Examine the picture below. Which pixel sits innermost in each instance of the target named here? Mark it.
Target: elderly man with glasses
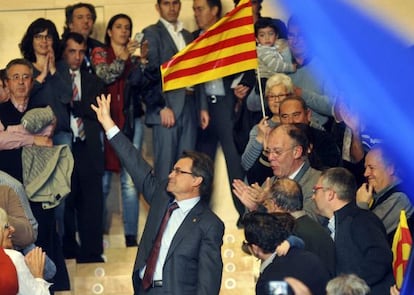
(287, 150)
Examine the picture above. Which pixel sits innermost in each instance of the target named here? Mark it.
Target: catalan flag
(228, 47)
(401, 247)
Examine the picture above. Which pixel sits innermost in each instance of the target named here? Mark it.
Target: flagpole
(260, 92)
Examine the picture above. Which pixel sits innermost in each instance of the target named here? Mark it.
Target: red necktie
(153, 257)
(76, 97)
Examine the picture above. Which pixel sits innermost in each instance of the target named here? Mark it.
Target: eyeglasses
(17, 77)
(278, 97)
(178, 171)
(277, 152)
(43, 37)
(316, 188)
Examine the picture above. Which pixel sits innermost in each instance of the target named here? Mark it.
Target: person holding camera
(263, 233)
(122, 73)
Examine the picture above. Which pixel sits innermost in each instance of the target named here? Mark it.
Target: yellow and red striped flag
(401, 247)
(226, 48)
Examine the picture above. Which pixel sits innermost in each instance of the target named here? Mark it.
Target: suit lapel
(164, 33)
(186, 228)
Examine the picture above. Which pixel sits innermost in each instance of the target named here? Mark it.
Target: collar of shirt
(22, 106)
(178, 27)
(188, 204)
(331, 226)
(266, 262)
(386, 189)
(293, 175)
(76, 72)
(175, 33)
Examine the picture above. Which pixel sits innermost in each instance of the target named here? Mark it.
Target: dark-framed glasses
(277, 97)
(43, 37)
(318, 187)
(178, 171)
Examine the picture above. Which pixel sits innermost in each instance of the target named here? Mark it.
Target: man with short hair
(221, 102)
(324, 151)
(13, 136)
(12, 140)
(382, 193)
(264, 232)
(188, 260)
(360, 239)
(85, 202)
(80, 18)
(171, 114)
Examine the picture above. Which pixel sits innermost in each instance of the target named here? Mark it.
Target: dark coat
(362, 247)
(298, 263)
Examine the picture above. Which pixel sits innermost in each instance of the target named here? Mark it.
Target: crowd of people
(317, 192)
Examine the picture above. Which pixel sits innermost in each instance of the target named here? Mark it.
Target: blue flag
(372, 67)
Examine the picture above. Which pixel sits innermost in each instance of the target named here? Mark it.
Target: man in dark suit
(171, 114)
(361, 245)
(85, 203)
(264, 232)
(221, 102)
(189, 261)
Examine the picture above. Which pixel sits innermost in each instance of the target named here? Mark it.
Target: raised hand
(102, 111)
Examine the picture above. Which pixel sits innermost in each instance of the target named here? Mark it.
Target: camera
(138, 37)
(278, 288)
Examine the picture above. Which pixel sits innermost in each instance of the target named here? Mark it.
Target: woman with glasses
(40, 45)
(122, 73)
(254, 160)
(29, 268)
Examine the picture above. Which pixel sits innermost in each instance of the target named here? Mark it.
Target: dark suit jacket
(56, 92)
(362, 248)
(300, 264)
(193, 264)
(91, 87)
(317, 240)
(161, 49)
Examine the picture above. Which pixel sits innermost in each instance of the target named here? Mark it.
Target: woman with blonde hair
(29, 268)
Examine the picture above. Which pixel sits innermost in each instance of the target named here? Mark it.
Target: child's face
(266, 36)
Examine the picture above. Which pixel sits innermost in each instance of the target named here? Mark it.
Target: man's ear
(391, 169)
(331, 194)
(308, 115)
(215, 11)
(197, 180)
(298, 152)
(255, 250)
